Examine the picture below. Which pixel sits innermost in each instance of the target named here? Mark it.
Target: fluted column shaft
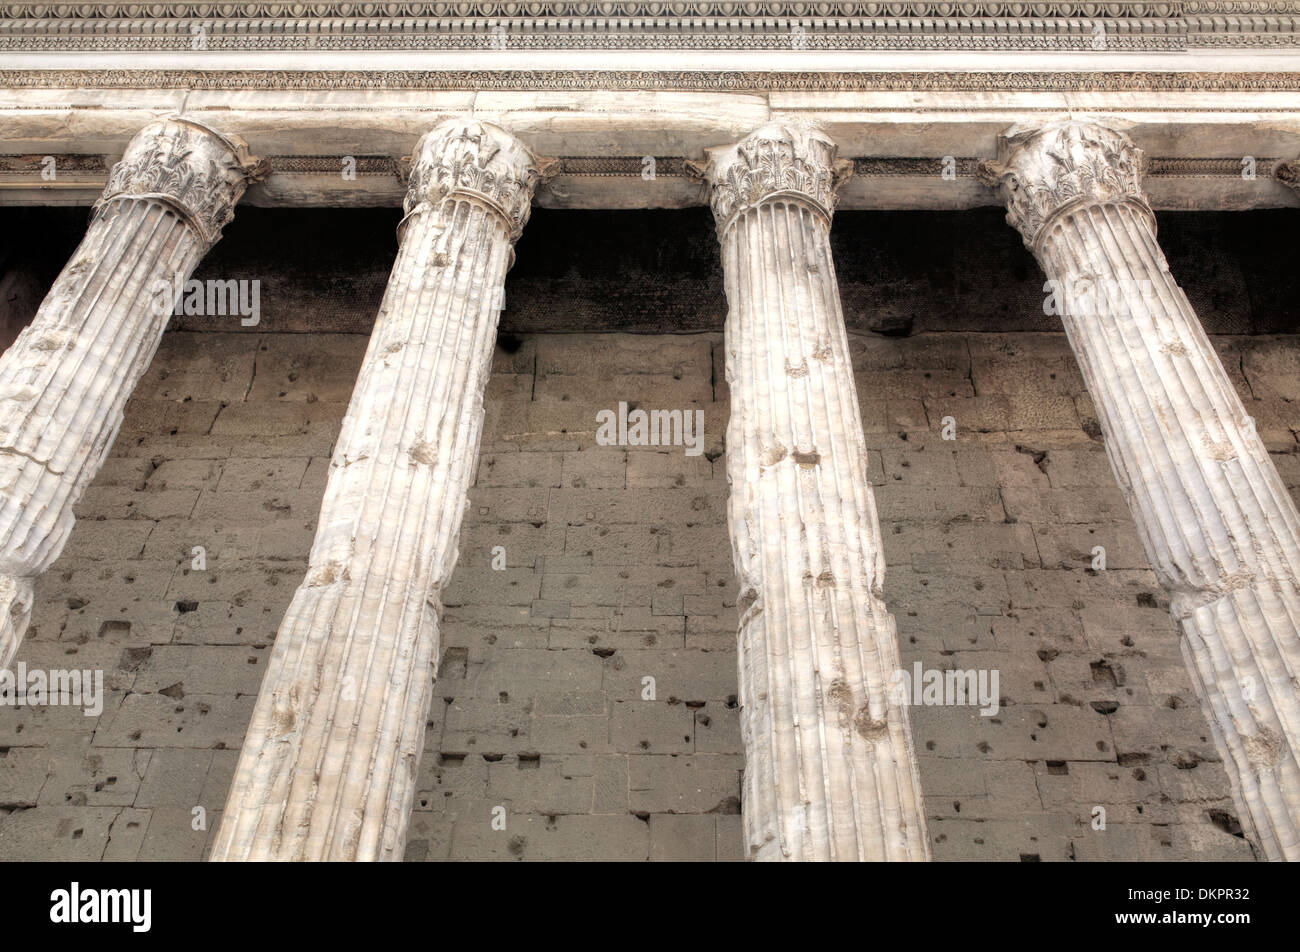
(1218, 525)
(328, 767)
(830, 771)
(66, 379)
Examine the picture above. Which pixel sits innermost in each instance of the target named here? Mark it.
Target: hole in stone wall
(455, 663)
(1227, 822)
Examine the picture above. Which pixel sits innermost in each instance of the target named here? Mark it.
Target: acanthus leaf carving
(478, 160)
(1045, 171)
(195, 169)
(789, 158)
(1288, 173)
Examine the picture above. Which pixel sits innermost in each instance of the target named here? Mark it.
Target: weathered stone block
(701, 783)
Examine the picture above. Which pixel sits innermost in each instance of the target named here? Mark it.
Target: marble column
(328, 766)
(1218, 526)
(66, 379)
(830, 769)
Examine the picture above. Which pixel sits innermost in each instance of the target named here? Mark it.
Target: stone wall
(618, 568)
(617, 563)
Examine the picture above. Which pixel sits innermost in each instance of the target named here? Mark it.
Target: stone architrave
(830, 769)
(66, 379)
(328, 766)
(1218, 525)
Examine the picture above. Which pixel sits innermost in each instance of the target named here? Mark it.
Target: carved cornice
(465, 158)
(992, 39)
(667, 10)
(264, 25)
(782, 160)
(694, 80)
(1048, 171)
(198, 171)
(882, 33)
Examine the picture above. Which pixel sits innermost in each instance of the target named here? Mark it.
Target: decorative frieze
(494, 36)
(731, 81)
(830, 770)
(363, 165)
(635, 166)
(495, 25)
(33, 164)
(670, 10)
(1217, 523)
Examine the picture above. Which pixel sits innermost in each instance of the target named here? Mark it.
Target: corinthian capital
(782, 159)
(195, 169)
(479, 161)
(1047, 171)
